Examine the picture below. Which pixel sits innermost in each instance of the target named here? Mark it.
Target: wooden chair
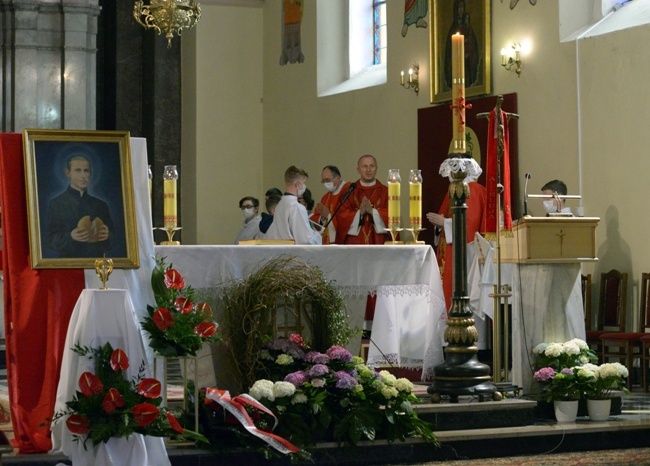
(627, 346)
(612, 307)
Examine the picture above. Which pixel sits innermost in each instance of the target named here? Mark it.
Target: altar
(405, 279)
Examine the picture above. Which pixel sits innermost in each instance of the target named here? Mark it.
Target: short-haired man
(363, 217)
(78, 224)
(553, 188)
(249, 230)
(336, 189)
(267, 218)
(290, 220)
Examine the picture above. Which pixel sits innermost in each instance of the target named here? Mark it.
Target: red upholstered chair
(627, 346)
(612, 307)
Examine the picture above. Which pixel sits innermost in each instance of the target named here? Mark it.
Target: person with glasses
(250, 229)
(326, 209)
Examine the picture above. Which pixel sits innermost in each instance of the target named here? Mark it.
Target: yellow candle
(393, 203)
(170, 206)
(458, 92)
(415, 204)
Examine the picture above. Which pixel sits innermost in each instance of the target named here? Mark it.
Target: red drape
(38, 306)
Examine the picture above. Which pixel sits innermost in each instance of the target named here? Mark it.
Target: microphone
(526, 194)
(341, 202)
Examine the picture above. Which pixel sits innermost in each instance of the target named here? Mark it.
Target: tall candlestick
(394, 184)
(170, 205)
(150, 177)
(415, 199)
(458, 92)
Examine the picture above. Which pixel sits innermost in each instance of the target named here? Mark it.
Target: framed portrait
(80, 198)
(471, 18)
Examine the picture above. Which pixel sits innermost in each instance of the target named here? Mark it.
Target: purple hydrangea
(314, 357)
(297, 378)
(286, 346)
(318, 370)
(544, 374)
(345, 380)
(339, 353)
(567, 371)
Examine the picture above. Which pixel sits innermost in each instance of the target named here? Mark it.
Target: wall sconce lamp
(510, 62)
(413, 81)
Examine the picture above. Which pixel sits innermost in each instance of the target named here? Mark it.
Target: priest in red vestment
(476, 209)
(326, 210)
(364, 216)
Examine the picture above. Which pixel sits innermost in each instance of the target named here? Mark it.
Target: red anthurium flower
(175, 424)
(174, 280)
(119, 360)
(90, 384)
(183, 305)
(78, 424)
(163, 318)
(112, 400)
(204, 310)
(144, 414)
(206, 329)
(149, 388)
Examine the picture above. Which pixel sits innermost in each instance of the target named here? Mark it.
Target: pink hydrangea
(544, 374)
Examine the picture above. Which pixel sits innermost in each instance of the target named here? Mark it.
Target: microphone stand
(338, 207)
(526, 194)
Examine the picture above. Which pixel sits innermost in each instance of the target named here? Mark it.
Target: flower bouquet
(108, 405)
(558, 356)
(178, 326)
(334, 396)
(605, 379)
(565, 385)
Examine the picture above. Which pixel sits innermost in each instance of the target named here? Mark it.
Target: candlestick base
(394, 230)
(415, 231)
(170, 234)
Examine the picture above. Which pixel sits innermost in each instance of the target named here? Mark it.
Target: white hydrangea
(583, 359)
(298, 399)
(554, 350)
(284, 360)
(571, 348)
(358, 388)
(539, 349)
(387, 377)
(282, 389)
(389, 392)
(404, 385)
(583, 371)
(613, 369)
(363, 370)
(318, 383)
(580, 344)
(592, 369)
(262, 389)
(265, 354)
(356, 360)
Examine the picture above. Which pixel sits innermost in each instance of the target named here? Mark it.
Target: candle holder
(415, 231)
(170, 230)
(394, 230)
(103, 268)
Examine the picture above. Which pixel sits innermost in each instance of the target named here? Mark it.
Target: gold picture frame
(475, 25)
(80, 198)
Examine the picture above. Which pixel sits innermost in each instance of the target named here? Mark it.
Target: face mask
(550, 206)
(302, 190)
(329, 186)
(248, 213)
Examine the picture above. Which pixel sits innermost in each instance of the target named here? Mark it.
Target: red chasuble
(331, 201)
(378, 196)
(475, 222)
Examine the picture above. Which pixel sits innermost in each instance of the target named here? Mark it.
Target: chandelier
(167, 16)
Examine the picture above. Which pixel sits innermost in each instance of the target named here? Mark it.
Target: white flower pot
(566, 411)
(599, 409)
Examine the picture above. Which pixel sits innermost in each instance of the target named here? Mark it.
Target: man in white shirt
(250, 229)
(553, 188)
(290, 220)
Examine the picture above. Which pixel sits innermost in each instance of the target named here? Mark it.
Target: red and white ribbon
(237, 407)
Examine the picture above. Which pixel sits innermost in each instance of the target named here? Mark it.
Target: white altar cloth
(100, 317)
(406, 279)
(546, 307)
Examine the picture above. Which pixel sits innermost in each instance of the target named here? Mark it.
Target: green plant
(568, 384)
(178, 326)
(572, 353)
(250, 304)
(604, 379)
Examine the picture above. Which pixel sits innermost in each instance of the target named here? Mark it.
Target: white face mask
(302, 190)
(248, 213)
(329, 186)
(550, 206)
